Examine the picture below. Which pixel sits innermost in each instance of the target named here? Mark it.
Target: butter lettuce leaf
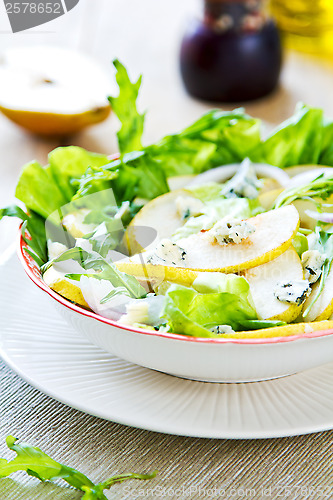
(297, 141)
(192, 313)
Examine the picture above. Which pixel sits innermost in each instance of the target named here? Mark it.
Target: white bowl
(210, 360)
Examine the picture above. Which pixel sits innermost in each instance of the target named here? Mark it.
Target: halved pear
(323, 308)
(52, 91)
(282, 331)
(274, 233)
(263, 280)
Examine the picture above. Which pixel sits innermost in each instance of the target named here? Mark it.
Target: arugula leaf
(321, 187)
(124, 106)
(37, 464)
(217, 138)
(104, 271)
(35, 225)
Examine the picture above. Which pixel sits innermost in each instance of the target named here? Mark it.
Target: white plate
(47, 353)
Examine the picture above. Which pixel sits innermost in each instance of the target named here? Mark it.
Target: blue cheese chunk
(313, 261)
(222, 329)
(187, 207)
(230, 231)
(168, 253)
(244, 184)
(293, 292)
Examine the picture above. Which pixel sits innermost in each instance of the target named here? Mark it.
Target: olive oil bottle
(307, 25)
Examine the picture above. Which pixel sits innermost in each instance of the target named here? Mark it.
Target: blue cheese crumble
(293, 292)
(312, 262)
(168, 253)
(230, 231)
(244, 184)
(187, 207)
(222, 329)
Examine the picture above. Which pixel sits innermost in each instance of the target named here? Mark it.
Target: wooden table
(145, 35)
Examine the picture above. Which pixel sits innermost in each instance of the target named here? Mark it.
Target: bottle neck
(236, 15)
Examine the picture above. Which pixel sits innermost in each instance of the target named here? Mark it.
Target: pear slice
(160, 214)
(282, 331)
(57, 281)
(263, 280)
(274, 233)
(52, 91)
(323, 308)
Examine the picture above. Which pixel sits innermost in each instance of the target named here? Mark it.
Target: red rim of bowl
(33, 272)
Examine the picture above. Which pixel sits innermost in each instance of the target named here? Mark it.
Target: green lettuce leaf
(69, 163)
(217, 138)
(104, 271)
(326, 154)
(37, 464)
(35, 225)
(192, 313)
(296, 141)
(124, 106)
(45, 189)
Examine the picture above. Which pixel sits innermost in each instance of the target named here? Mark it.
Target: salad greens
(321, 187)
(214, 299)
(297, 141)
(108, 192)
(124, 106)
(324, 244)
(37, 464)
(122, 282)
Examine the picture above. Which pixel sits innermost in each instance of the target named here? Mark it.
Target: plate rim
(133, 421)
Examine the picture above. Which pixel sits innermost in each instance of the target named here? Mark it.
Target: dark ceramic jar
(232, 54)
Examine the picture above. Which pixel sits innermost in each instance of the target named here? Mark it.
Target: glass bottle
(232, 54)
(307, 25)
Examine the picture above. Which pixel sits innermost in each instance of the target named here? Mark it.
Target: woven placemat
(299, 467)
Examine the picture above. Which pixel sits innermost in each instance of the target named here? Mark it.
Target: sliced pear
(52, 91)
(263, 280)
(323, 308)
(267, 198)
(282, 331)
(156, 274)
(74, 223)
(274, 233)
(160, 214)
(65, 287)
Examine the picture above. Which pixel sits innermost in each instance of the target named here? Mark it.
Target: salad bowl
(234, 256)
(203, 359)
